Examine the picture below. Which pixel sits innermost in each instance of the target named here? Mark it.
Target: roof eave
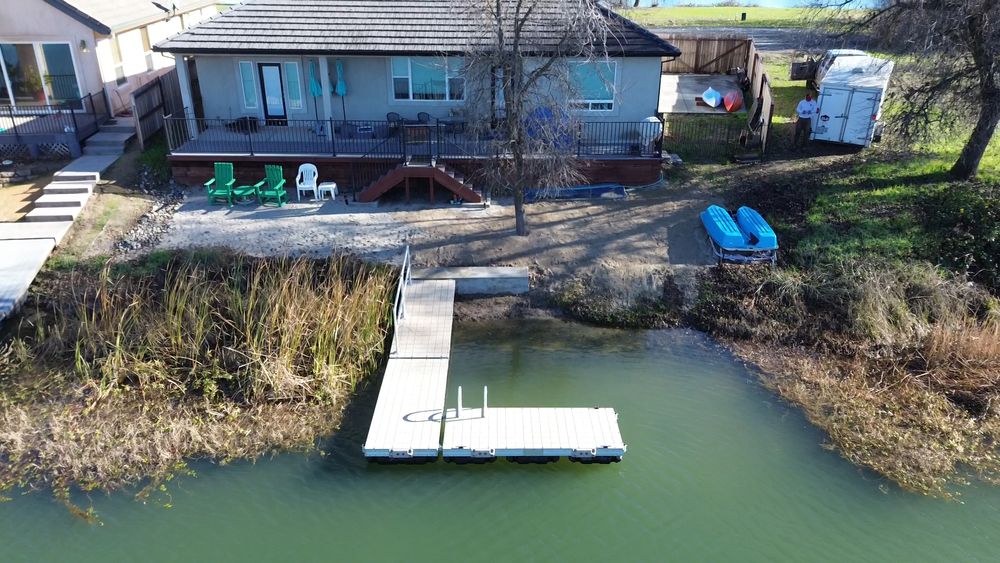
(668, 48)
(79, 16)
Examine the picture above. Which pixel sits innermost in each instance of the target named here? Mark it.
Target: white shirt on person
(806, 109)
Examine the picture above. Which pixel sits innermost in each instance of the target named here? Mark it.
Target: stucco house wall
(26, 21)
(369, 92)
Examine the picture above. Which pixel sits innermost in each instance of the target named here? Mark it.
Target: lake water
(717, 469)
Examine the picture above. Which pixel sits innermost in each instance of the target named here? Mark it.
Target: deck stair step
(441, 175)
(62, 200)
(47, 214)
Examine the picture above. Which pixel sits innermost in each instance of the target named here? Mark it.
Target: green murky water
(717, 470)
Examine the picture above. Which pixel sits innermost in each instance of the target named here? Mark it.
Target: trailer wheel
(877, 133)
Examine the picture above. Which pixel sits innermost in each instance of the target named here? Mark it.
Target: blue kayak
(759, 234)
(721, 227)
(747, 239)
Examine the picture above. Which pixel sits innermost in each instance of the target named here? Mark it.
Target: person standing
(803, 127)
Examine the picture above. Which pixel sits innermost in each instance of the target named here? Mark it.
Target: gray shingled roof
(412, 27)
(107, 16)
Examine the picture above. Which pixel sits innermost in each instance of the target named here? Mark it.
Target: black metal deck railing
(80, 117)
(385, 140)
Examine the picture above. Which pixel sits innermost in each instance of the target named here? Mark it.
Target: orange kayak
(733, 101)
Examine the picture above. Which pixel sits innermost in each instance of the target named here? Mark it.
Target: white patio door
(273, 92)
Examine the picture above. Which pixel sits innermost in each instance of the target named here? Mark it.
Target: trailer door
(861, 118)
(829, 124)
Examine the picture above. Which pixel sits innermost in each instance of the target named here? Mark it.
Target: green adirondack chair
(272, 187)
(220, 188)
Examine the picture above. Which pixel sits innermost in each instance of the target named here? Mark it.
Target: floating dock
(535, 434)
(406, 423)
(410, 410)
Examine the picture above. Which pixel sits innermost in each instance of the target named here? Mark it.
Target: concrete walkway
(25, 245)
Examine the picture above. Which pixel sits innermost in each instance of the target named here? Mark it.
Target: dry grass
(122, 373)
(899, 365)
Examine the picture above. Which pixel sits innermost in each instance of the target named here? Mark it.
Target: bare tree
(953, 51)
(517, 66)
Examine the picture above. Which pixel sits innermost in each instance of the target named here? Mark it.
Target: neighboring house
(261, 80)
(56, 52)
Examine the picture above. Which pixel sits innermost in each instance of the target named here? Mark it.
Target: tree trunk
(968, 162)
(520, 219)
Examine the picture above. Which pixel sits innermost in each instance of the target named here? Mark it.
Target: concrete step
(48, 214)
(75, 178)
(121, 121)
(117, 129)
(69, 188)
(91, 165)
(103, 150)
(105, 138)
(20, 230)
(62, 200)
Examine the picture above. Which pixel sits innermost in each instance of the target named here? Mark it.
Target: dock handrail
(399, 303)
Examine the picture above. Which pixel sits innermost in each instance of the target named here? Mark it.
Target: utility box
(851, 92)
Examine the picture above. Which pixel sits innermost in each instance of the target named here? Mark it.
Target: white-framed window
(248, 84)
(594, 84)
(293, 86)
(427, 78)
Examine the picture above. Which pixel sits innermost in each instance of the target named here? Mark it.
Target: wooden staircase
(439, 175)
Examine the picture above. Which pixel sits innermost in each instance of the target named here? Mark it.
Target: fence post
(250, 137)
(13, 122)
(333, 138)
(579, 138)
(76, 127)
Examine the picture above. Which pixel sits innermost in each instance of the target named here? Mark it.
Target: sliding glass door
(38, 73)
(21, 72)
(60, 76)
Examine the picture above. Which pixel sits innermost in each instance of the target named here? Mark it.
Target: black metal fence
(702, 137)
(80, 117)
(383, 140)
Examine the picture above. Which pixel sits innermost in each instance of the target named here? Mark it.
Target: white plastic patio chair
(306, 180)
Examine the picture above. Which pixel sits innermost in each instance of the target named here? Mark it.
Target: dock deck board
(533, 432)
(407, 418)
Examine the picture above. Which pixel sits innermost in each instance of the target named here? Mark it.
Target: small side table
(327, 187)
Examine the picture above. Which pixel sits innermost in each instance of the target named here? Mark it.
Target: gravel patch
(310, 228)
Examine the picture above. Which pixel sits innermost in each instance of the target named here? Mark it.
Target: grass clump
(620, 296)
(120, 372)
(899, 364)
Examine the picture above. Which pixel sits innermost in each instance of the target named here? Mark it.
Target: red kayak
(733, 101)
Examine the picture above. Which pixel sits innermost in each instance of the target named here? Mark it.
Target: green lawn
(717, 16)
(891, 207)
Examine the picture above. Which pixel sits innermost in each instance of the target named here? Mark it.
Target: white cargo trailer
(851, 92)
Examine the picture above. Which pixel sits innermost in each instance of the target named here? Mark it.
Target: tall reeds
(899, 363)
(252, 329)
(121, 374)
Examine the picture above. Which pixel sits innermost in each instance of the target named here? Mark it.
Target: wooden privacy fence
(707, 55)
(152, 101)
(712, 136)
